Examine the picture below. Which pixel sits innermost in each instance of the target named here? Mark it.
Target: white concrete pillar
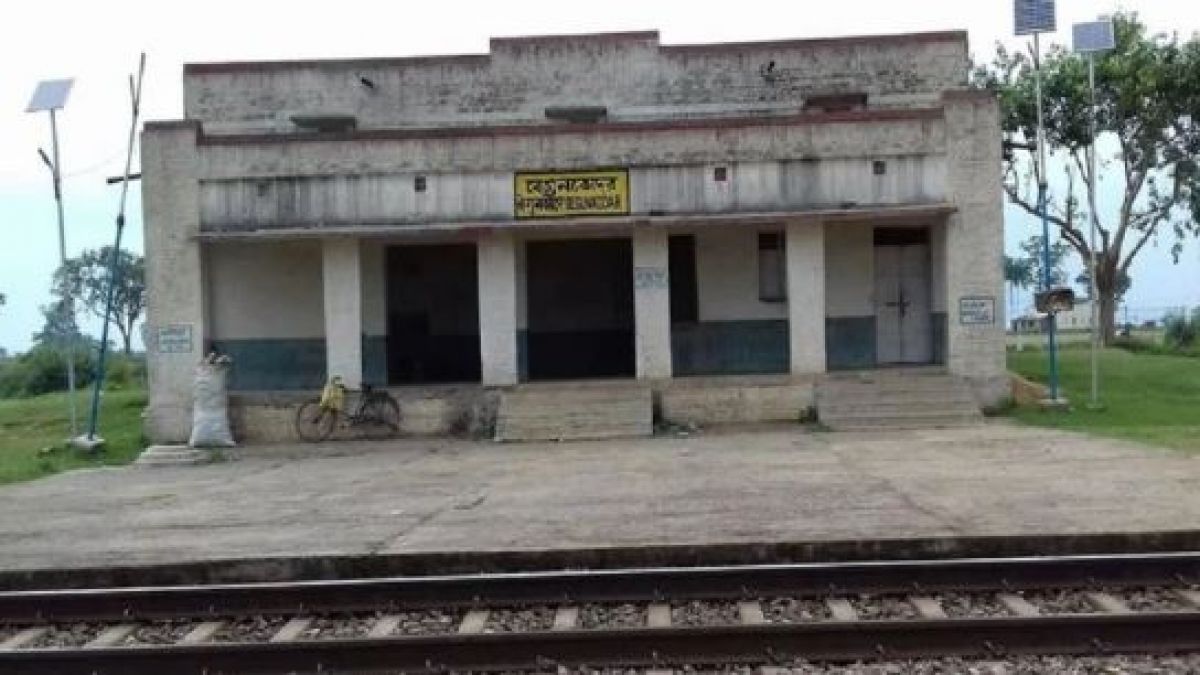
(651, 304)
(974, 245)
(805, 246)
(342, 274)
(176, 285)
(498, 308)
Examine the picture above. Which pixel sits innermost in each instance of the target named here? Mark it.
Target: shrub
(1181, 331)
(43, 369)
(125, 372)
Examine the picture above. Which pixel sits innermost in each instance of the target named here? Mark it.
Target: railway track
(653, 618)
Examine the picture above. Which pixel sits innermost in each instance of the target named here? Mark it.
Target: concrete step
(917, 386)
(559, 412)
(173, 455)
(925, 396)
(894, 424)
(895, 400)
(843, 408)
(899, 414)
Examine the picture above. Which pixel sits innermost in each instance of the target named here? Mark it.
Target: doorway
(580, 308)
(902, 296)
(432, 314)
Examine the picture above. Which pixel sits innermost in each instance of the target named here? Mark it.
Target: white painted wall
(269, 290)
(356, 198)
(849, 269)
(727, 276)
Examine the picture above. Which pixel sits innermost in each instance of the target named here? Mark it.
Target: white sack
(210, 409)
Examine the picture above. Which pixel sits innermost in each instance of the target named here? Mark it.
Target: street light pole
(1043, 187)
(51, 95)
(1095, 269)
(1090, 38)
(69, 298)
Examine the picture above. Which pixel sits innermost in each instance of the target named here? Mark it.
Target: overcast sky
(98, 42)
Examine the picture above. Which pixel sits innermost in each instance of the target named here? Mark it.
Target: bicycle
(377, 412)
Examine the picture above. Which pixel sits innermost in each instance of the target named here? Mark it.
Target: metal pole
(1095, 402)
(68, 300)
(135, 92)
(1042, 209)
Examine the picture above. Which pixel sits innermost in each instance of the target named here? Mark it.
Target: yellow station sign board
(562, 194)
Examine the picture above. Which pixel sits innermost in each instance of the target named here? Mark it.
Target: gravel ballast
(69, 635)
(250, 629)
(971, 605)
(612, 616)
(1030, 665)
(160, 632)
(873, 607)
(704, 613)
(520, 619)
(1060, 602)
(339, 627)
(794, 610)
(1155, 599)
(428, 622)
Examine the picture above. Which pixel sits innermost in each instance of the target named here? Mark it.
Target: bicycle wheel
(380, 417)
(313, 422)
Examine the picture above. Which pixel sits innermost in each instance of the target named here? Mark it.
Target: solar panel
(50, 95)
(1093, 36)
(1034, 16)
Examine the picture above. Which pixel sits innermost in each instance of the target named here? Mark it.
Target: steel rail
(758, 645)
(598, 586)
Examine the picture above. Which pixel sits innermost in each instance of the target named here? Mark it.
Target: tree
(1147, 92)
(59, 328)
(1034, 257)
(86, 277)
(1124, 283)
(1018, 274)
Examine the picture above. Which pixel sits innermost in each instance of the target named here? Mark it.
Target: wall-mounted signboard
(563, 194)
(977, 310)
(174, 338)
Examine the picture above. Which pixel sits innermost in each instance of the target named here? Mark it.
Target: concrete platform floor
(781, 484)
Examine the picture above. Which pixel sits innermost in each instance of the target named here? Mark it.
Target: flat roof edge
(493, 131)
(881, 212)
(203, 68)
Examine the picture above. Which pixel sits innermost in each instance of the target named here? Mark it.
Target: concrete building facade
(574, 207)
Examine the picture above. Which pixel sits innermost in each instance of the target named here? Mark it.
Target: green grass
(33, 432)
(1152, 398)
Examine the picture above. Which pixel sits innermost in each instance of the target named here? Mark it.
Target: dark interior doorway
(432, 314)
(580, 308)
(685, 296)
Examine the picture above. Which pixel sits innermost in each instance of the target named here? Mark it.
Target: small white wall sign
(977, 310)
(649, 277)
(175, 338)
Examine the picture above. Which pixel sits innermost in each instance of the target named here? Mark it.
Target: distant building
(1077, 318)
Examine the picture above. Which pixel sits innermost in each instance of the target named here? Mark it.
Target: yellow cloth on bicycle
(333, 396)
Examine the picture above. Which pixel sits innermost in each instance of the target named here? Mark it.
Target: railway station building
(574, 209)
